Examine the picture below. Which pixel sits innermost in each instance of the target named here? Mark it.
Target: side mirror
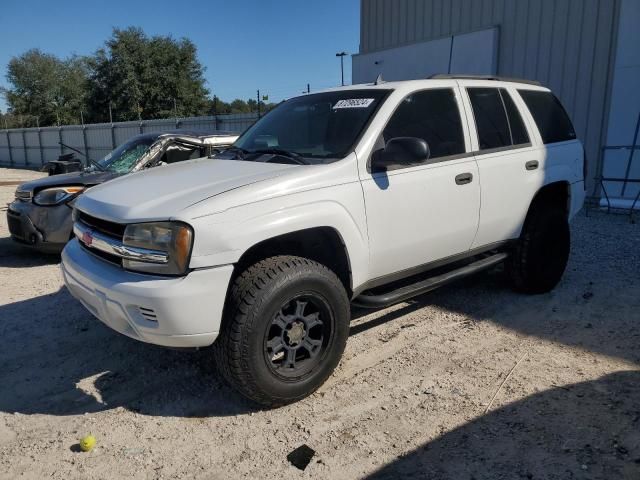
(400, 151)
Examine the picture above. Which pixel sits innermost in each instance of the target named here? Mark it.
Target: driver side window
(179, 152)
(433, 116)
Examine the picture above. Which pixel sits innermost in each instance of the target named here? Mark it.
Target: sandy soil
(427, 389)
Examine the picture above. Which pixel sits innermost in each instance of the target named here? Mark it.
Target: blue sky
(277, 46)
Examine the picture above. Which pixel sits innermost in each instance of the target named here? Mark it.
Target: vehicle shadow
(15, 255)
(56, 359)
(584, 430)
(594, 307)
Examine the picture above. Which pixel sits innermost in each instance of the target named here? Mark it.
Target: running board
(424, 286)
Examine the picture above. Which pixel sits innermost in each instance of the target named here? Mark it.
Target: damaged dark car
(40, 215)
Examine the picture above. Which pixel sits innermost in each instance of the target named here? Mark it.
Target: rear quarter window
(550, 116)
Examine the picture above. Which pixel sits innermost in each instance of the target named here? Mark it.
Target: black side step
(423, 286)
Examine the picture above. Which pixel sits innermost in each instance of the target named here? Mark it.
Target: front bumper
(173, 312)
(44, 228)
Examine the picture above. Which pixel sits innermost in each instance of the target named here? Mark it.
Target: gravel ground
(470, 381)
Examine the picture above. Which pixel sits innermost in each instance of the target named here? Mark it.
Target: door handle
(531, 165)
(464, 178)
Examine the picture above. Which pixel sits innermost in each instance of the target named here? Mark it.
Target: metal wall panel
(17, 148)
(567, 45)
(32, 147)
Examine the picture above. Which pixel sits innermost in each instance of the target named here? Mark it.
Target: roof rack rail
(443, 76)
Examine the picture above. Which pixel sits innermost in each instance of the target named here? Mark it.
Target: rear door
(420, 213)
(510, 162)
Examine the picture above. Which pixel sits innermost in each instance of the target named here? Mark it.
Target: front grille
(112, 229)
(105, 227)
(107, 257)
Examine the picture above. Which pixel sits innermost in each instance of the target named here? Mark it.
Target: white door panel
(418, 215)
(507, 190)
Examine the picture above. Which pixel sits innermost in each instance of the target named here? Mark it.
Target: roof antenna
(379, 80)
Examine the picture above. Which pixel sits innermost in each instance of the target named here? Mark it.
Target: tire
(277, 306)
(541, 254)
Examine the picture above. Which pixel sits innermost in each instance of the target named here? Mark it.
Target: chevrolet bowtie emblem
(87, 238)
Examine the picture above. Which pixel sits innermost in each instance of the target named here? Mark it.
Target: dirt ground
(472, 381)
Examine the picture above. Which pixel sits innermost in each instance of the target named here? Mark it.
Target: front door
(428, 211)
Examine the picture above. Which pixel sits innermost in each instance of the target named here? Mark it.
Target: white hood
(160, 193)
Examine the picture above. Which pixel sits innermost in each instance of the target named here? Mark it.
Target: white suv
(368, 194)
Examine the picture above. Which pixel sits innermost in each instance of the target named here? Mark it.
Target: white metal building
(586, 51)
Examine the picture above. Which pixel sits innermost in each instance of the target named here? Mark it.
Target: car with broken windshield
(40, 215)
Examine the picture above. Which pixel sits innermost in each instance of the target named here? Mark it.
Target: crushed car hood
(161, 193)
(66, 179)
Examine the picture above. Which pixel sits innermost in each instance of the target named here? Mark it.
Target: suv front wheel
(285, 327)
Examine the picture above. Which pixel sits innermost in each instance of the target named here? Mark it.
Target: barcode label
(353, 103)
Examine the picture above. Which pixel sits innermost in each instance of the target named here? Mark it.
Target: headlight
(57, 195)
(172, 238)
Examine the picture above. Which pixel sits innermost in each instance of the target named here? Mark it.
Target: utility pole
(308, 88)
(215, 112)
(110, 115)
(175, 108)
(341, 55)
(258, 103)
(81, 118)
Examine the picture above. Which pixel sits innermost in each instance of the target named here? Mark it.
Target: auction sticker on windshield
(353, 103)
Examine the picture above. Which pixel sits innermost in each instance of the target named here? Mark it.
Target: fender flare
(222, 239)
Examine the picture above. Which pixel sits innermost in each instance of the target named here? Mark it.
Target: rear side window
(497, 118)
(519, 133)
(550, 116)
(491, 119)
(432, 115)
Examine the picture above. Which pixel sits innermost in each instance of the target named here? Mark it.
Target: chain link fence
(34, 147)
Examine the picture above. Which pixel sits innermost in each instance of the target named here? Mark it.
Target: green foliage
(144, 77)
(218, 107)
(46, 89)
(136, 75)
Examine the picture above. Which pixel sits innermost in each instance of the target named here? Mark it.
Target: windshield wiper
(296, 157)
(240, 152)
(93, 162)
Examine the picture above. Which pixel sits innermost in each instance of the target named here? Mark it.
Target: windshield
(126, 156)
(317, 126)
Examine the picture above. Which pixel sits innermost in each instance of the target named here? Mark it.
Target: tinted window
(316, 126)
(491, 118)
(519, 133)
(178, 152)
(552, 119)
(432, 115)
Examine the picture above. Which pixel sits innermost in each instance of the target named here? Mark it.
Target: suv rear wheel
(540, 257)
(285, 327)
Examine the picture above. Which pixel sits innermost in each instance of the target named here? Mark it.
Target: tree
(146, 77)
(45, 89)
(237, 106)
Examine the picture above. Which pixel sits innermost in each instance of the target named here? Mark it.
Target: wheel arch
(323, 244)
(556, 193)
